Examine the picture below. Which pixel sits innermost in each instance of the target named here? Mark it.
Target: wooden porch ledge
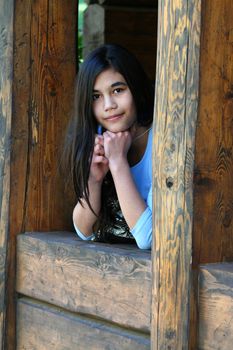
(216, 306)
(111, 282)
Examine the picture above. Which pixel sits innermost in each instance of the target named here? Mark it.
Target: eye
(118, 90)
(95, 97)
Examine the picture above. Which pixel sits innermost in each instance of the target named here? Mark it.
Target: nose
(109, 103)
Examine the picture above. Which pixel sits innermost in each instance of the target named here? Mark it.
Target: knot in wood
(169, 182)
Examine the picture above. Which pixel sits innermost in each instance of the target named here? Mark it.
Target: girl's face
(113, 104)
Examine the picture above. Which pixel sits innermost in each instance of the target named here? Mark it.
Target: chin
(117, 129)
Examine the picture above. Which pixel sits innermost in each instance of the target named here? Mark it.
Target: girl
(111, 148)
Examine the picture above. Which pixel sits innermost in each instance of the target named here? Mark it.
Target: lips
(114, 117)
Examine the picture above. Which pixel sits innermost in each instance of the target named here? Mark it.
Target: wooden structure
(69, 294)
(98, 287)
(216, 301)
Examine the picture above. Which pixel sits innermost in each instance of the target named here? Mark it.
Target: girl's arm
(83, 218)
(142, 231)
(137, 212)
(131, 202)
(116, 147)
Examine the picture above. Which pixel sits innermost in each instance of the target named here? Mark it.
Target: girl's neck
(140, 133)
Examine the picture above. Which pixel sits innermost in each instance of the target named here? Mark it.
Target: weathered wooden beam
(44, 74)
(109, 281)
(42, 326)
(216, 307)
(6, 59)
(176, 101)
(213, 190)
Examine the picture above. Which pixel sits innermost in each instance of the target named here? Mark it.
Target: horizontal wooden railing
(99, 296)
(216, 306)
(103, 290)
(45, 327)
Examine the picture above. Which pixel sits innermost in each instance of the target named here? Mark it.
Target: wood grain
(176, 100)
(44, 327)
(52, 74)
(107, 281)
(6, 59)
(44, 72)
(213, 183)
(216, 307)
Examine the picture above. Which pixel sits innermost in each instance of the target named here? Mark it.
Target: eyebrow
(117, 83)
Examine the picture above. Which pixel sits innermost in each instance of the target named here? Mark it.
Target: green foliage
(81, 8)
(80, 47)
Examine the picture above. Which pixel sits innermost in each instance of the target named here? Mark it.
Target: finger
(99, 149)
(108, 135)
(99, 139)
(100, 159)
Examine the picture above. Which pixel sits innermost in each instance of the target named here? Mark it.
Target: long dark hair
(83, 125)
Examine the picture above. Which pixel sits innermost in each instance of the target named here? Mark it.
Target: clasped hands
(110, 152)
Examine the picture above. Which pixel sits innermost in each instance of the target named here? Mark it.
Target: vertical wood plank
(176, 101)
(213, 184)
(52, 73)
(44, 73)
(213, 190)
(6, 59)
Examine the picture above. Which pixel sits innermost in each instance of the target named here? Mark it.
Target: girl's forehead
(107, 78)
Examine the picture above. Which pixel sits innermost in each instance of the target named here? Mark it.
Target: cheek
(95, 110)
(131, 105)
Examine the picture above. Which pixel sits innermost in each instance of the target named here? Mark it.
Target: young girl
(111, 149)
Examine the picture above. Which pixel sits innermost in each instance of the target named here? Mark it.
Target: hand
(99, 163)
(116, 146)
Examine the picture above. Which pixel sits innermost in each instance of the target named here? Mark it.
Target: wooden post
(44, 69)
(213, 190)
(176, 101)
(6, 55)
(213, 231)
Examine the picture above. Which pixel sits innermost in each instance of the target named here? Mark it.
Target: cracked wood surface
(6, 59)
(112, 282)
(176, 103)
